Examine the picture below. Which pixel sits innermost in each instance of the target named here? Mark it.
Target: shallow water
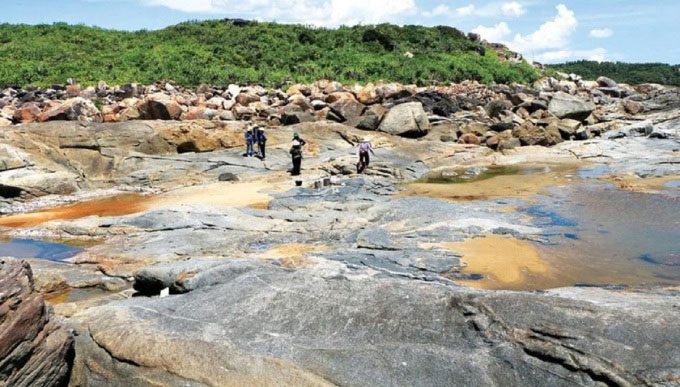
(595, 233)
(475, 183)
(603, 235)
(76, 295)
(30, 248)
(673, 184)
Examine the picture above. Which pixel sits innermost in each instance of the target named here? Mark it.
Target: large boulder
(568, 127)
(347, 109)
(161, 107)
(34, 349)
(495, 108)
(438, 103)
(607, 82)
(74, 109)
(246, 99)
(530, 134)
(27, 113)
(407, 120)
(371, 118)
(294, 114)
(564, 105)
(325, 325)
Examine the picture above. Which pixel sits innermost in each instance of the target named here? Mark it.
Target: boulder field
(347, 280)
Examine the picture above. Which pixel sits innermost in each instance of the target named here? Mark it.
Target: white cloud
(326, 13)
(601, 33)
(553, 34)
(549, 43)
(598, 55)
(466, 11)
(445, 10)
(493, 34)
(513, 9)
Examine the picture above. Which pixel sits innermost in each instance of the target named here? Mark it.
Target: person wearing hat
(299, 139)
(362, 152)
(250, 141)
(296, 154)
(261, 140)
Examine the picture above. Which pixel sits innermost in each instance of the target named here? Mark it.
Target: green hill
(236, 51)
(632, 73)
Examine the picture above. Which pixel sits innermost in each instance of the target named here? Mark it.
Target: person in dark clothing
(299, 139)
(296, 154)
(250, 141)
(364, 158)
(261, 139)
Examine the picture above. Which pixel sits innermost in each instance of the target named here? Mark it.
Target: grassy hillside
(632, 73)
(220, 52)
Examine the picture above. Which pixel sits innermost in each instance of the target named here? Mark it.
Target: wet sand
(645, 185)
(505, 263)
(293, 255)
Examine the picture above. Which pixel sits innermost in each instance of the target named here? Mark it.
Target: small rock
(469, 139)
(658, 135)
(632, 107)
(228, 176)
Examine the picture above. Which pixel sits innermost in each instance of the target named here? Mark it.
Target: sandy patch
(504, 262)
(293, 255)
(244, 194)
(645, 185)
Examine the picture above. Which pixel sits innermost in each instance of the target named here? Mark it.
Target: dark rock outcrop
(34, 349)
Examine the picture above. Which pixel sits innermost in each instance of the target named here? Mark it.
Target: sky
(547, 31)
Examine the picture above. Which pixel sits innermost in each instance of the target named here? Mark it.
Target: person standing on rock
(296, 154)
(250, 141)
(362, 152)
(261, 139)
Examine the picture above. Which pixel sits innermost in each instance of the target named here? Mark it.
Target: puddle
(75, 295)
(673, 184)
(622, 237)
(30, 248)
(519, 181)
(595, 233)
(593, 172)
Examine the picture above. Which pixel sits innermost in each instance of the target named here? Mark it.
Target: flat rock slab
(327, 325)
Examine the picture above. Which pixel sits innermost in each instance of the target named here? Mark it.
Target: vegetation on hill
(235, 51)
(632, 73)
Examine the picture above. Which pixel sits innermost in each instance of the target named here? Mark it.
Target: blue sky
(547, 31)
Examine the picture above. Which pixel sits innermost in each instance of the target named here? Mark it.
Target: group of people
(256, 136)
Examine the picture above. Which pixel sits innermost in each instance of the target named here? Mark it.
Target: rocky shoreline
(351, 283)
